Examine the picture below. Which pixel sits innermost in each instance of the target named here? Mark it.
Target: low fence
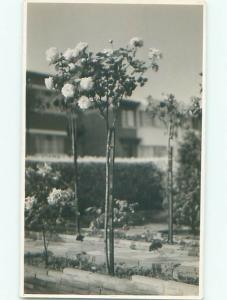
(74, 281)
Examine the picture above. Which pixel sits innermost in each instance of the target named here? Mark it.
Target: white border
(202, 207)
(158, 2)
(24, 64)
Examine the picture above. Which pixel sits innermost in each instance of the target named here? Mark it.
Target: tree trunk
(74, 152)
(45, 247)
(109, 199)
(111, 203)
(170, 187)
(106, 221)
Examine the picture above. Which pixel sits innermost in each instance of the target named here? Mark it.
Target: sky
(177, 30)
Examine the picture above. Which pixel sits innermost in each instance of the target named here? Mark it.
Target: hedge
(135, 181)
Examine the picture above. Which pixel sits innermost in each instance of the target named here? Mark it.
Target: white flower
(29, 201)
(44, 169)
(84, 102)
(52, 54)
(86, 83)
(68, 90)
(81, 46)
(72, 66)
(154, 54)
(136, 42)
(108, 51)
(68, 54)
(54, 196)
(49, 83)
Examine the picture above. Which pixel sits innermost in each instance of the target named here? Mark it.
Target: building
(47, 130)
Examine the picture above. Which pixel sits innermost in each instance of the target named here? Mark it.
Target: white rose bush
(100, 81)
(48, 203)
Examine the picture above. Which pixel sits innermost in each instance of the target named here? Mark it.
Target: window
(48, 141)
(128, 118)
(47, 144)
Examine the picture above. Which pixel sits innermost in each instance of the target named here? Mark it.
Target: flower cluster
(87, 80)
(44, 169)
(52, 55)
(59, 196)
(54, 196)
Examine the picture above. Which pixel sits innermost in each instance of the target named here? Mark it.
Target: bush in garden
(45, 205)
(122, 211)
(187, 182)
(140, 182)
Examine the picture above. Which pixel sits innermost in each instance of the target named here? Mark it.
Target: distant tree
(173, 116)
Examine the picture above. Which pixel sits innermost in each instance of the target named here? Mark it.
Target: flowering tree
(46, 207)
(101, 81)
(172, 115)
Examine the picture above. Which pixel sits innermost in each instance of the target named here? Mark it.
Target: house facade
(47, 130)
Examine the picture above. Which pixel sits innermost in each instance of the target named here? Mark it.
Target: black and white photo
(114, 129)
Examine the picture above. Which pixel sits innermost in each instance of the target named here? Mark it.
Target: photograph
(113, 178)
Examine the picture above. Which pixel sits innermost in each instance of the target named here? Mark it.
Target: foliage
(169, 111)
(140, 182)
(187, 181)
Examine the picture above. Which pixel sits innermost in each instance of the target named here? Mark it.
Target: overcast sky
(176, 30)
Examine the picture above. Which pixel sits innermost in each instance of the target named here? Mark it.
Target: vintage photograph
(114, 100)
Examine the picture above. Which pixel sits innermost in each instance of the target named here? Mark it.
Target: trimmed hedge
(140, 182)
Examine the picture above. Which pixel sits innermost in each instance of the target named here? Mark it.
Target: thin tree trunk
(111, 202)
(106, 221)
(170, 187)
(74, 152)
(45, 247)
(109, 199)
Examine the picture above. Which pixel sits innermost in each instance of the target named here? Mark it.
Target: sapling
(170, 112)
